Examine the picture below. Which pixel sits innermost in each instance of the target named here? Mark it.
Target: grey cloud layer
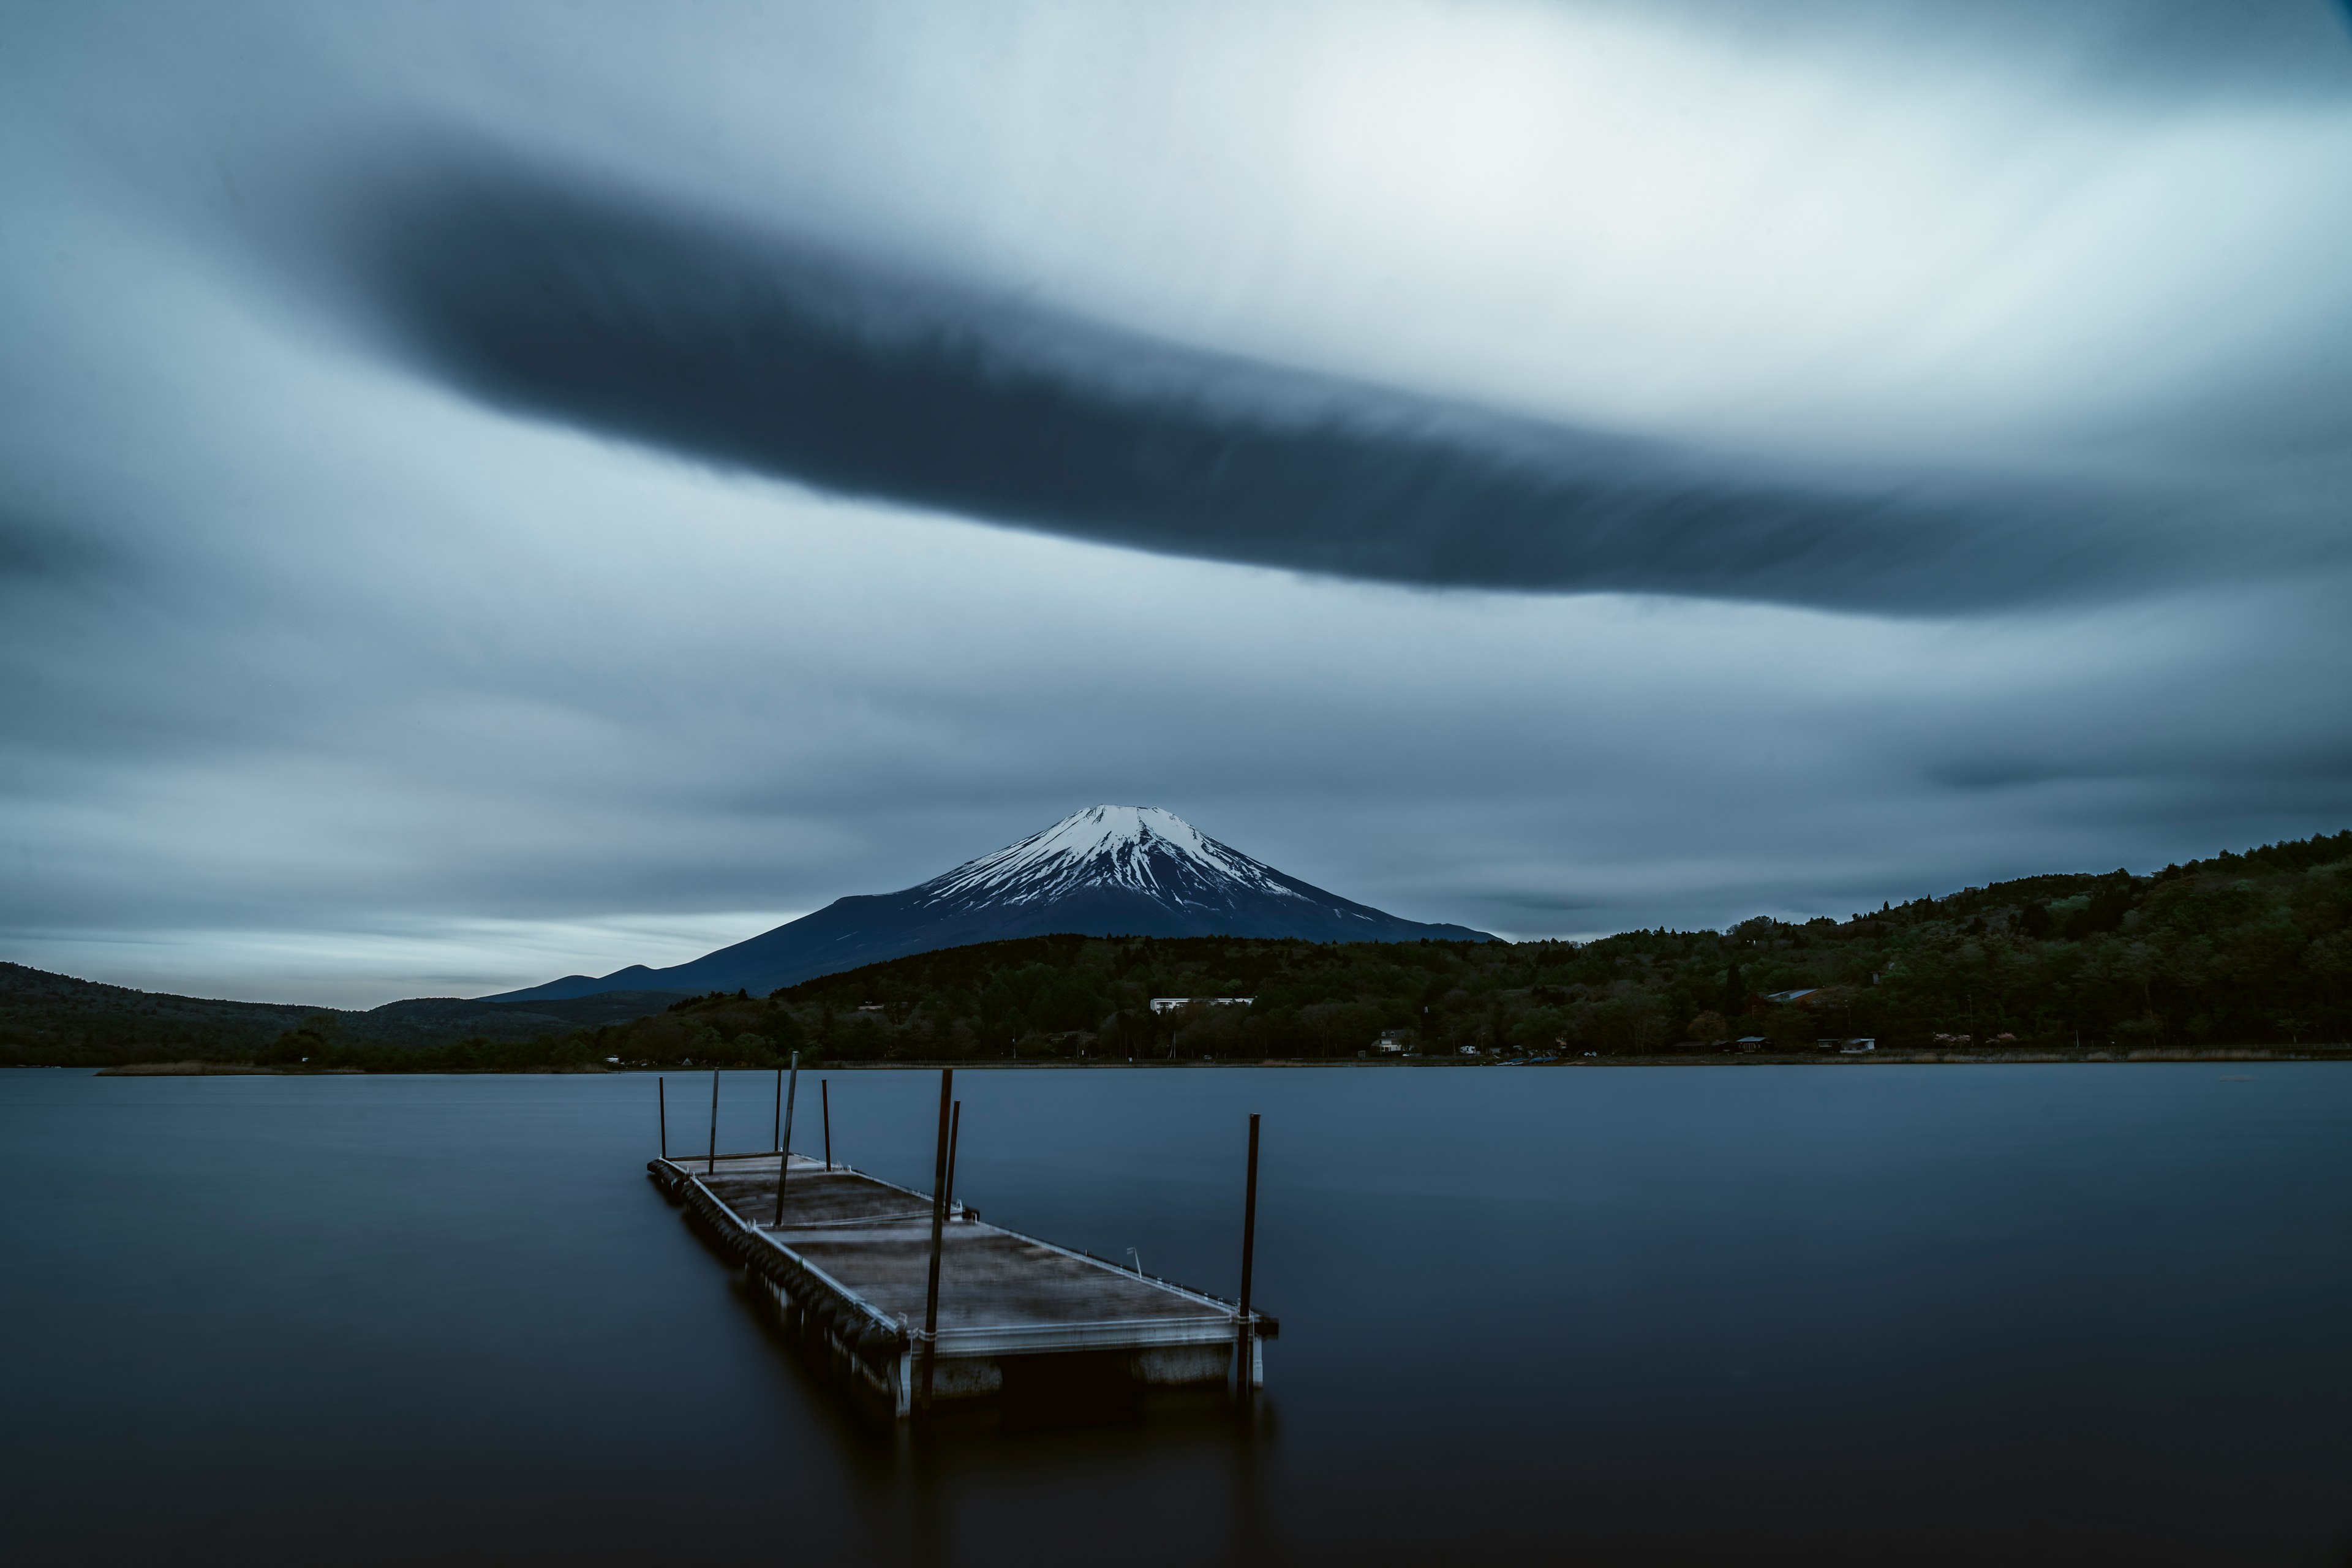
(309, 647)
(2270, 51)
(585, 303)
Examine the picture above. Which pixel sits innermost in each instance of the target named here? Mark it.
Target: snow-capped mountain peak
(1109, 870)
(1138, 848)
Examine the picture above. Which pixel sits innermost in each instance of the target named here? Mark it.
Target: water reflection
(1838, 1314)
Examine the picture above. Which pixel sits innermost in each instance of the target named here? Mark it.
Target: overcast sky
(491, 492)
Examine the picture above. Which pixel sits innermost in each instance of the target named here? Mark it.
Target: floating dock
(850, 1264)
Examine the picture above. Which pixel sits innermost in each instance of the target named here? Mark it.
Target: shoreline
(2220, 1054)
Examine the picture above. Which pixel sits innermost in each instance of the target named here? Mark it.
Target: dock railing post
(785, 1143)
(825, 1104)
(710, 1166)
(1245, 1347)
(661, 1105)
(939, 1219)
(955, 1132)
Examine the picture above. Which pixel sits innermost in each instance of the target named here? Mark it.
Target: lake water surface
(1870, 1314)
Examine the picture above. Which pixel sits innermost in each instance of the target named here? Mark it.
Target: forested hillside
(2242, 949)
(54, 1020)
(2252, 949)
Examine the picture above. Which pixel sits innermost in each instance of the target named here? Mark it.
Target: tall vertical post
(661, 1104)
(710, 1167)
(825, 1104)
(1247, 1346)
(784, 1141)
(780, 1109)
(955, 1132)
(938, 1220)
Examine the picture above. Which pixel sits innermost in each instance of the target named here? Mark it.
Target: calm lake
(1868, 1315)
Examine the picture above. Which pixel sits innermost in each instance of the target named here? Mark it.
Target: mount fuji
(1109, 870)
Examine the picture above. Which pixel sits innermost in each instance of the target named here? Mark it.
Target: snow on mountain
(1139, 847)
(1108, 870)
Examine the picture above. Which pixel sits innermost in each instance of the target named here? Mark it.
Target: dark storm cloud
(575, 300)
(2270, 51)
(2320, 765)
(37, 555)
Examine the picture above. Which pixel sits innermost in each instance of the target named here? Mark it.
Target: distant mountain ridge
(57, 1018)
(1108, 870)
(2235, 950)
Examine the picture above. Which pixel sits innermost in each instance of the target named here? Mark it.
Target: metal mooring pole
(825, 1104)
(711, 1166)
(784, 1144)
(1249, 1259)
(939, 1219)
(661, 1104)
(955, 1131)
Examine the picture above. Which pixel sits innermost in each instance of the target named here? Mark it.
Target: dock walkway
(848, 1267)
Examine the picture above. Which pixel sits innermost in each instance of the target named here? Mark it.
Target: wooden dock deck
(849, 1269)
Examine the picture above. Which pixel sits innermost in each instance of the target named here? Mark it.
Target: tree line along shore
(2238, 953)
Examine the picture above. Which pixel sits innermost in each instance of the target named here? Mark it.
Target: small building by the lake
(1170, 1004)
